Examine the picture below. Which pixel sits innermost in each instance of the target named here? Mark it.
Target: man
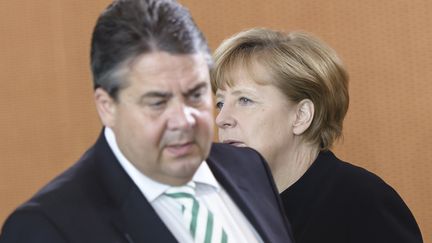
(153, 175)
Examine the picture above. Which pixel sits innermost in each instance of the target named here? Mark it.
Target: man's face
(163, 119)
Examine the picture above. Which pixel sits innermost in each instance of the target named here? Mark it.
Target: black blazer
(338, 202)
(96, 201)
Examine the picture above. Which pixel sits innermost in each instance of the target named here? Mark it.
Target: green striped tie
(199, 220)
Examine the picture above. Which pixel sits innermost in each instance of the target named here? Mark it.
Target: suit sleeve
(30, 226)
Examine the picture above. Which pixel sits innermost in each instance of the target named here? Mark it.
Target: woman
(286, 96)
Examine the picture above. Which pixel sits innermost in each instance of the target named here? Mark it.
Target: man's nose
(181, 116)
(225, 118)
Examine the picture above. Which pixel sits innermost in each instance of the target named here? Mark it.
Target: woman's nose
(225, 118)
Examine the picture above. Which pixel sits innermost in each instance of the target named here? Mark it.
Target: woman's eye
(219, 105)
(245, 101)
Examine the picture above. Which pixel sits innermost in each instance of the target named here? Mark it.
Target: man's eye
(157, 104)
(245, 101)
(196, 96)
(219, 105)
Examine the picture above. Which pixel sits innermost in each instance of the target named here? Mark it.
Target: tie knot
(185, 191)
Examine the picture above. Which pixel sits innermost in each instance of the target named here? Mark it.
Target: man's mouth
(179, 149)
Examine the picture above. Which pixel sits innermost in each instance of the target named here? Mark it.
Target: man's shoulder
(72, 200)
(243, 160)
(224, 152)
(65, 190)
(246, 176)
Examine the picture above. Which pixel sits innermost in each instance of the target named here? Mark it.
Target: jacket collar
(239, 188)
(130, 211)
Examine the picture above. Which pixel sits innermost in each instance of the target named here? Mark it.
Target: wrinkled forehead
(240, 69)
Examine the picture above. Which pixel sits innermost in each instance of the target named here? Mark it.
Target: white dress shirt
(208, 191)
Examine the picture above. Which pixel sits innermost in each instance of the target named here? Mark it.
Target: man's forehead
(162, 64)
(160, 58)
(168, 91)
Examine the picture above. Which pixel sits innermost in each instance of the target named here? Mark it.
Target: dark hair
(129, 28)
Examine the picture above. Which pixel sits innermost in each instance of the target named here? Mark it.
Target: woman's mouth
(233, 142)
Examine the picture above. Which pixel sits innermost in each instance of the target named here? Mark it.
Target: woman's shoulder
(359, 177)
(364, 188)
(374, 204)
(341, 179)
(360, 181)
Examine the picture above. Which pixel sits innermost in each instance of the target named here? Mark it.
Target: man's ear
(106, 107)
(304, 116)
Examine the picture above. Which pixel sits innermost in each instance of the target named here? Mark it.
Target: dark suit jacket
(96, 201)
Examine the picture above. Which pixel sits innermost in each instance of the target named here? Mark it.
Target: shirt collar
(149, 187)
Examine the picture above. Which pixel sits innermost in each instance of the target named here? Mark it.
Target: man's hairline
(122, 70)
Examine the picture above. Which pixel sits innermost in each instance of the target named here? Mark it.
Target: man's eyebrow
(197, 87)
(155, 94)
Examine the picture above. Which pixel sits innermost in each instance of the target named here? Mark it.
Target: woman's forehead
(253, 72)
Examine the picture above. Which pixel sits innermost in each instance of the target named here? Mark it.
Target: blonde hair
(300, 66)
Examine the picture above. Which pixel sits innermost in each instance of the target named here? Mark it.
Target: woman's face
(255, 115)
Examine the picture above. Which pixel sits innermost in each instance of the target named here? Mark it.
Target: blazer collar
(130, 211)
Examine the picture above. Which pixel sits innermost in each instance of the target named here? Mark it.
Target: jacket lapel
(239, 192)
(129, 210)
(247, 179)
(138, 221)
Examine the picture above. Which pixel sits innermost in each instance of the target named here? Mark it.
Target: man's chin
(184, 169)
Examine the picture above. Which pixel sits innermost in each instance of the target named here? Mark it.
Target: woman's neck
(292, 163)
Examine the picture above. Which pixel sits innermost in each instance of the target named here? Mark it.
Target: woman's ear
(105, 106)
(304, 116)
